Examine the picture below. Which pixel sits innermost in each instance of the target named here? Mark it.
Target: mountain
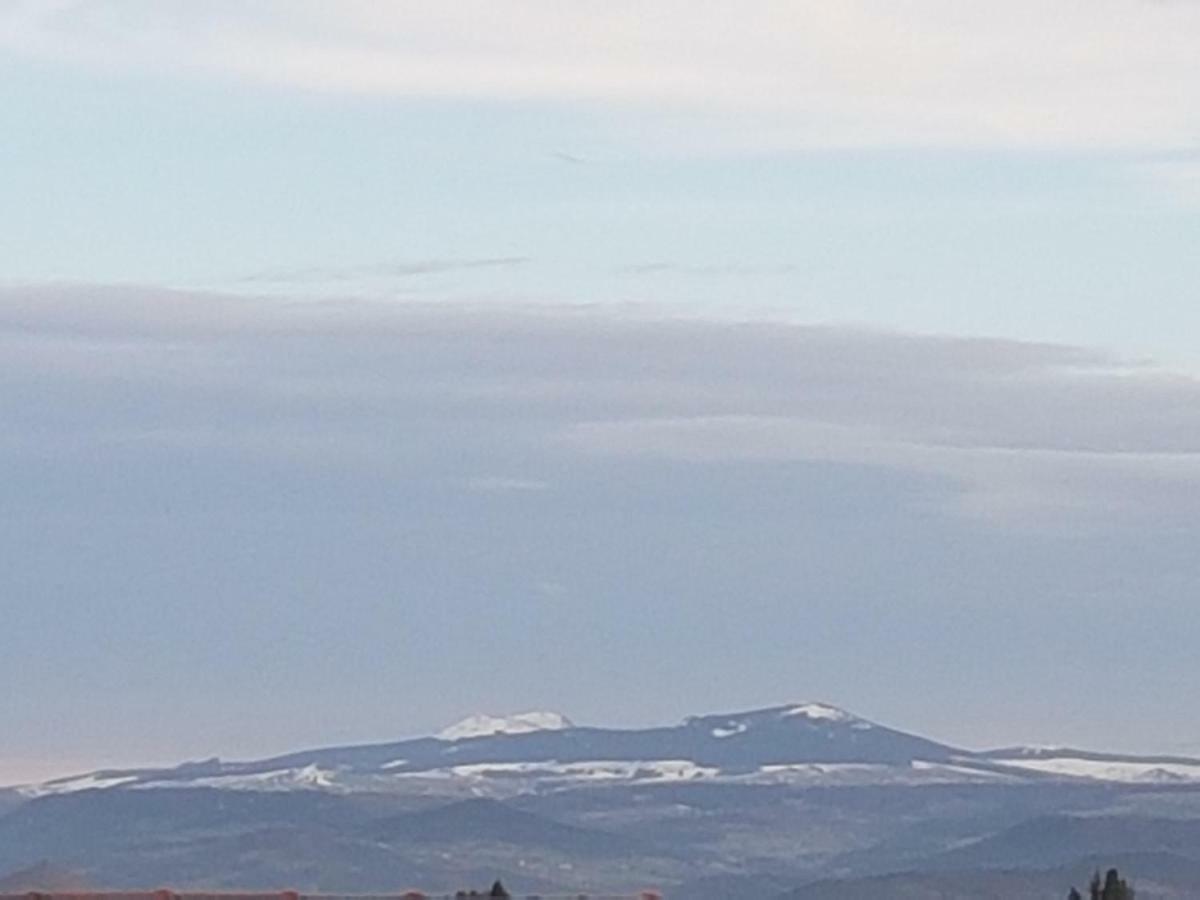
(1053, 840)
(804, 743)
(809, 742)
(313, 840)
(481, 820)
(722, 805)
(1065, 762)
(10, 798)
(1155, 876)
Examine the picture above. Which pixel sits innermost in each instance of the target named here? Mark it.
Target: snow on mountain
(1131, 771)
(311, 777)
(797, 744)
(522, 723)
(642, 771)
(808, 714)
(820, 712)
(71, 785)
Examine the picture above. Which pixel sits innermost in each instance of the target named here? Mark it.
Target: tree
(1115, 887)
(499, 891)
(1112, 887)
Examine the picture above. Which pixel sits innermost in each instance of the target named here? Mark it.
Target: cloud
(504, 484)
(1015, 484)
(1021, 433)
(378, 271)
(774, 74)
(189, 476)
(718, 270)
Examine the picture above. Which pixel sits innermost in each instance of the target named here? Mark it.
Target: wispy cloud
(733, 270)
(573, 159)
(1027, 432)
(395, 479)
(1117, 73)
(1008, 482)
(396, 270)
(504, 484)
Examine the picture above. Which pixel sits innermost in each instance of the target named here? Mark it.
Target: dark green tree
(1112, 887)
(499, 891)
(1115, 887)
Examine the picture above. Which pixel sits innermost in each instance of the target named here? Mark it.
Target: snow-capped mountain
(483, 725)
(558, 805)
(798, 744)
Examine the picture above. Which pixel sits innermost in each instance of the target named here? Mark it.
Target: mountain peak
(808, 716)
(820, 712)
(483, 725)
(813, 711)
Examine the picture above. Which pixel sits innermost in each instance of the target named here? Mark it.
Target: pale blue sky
(117, 178)
(570, 257)
(120, 174)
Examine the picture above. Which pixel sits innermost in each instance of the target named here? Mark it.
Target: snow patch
(920, 765)
(71, 785)
(275, 780)
(820, 712)
(916, 773)
(823, 768)
(737, 728)
(1107, 770)
(658, 770)
(522, 723)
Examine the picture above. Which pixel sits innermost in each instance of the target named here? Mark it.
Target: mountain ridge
(772, 799)
(800, 743)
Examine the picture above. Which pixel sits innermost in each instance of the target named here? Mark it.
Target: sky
(371, 364)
